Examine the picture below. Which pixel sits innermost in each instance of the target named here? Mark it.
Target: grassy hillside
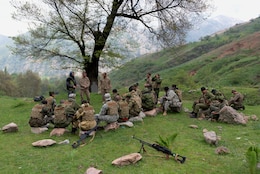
(230, 58)
(17, 154)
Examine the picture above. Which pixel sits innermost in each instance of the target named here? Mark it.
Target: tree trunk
(92, 71)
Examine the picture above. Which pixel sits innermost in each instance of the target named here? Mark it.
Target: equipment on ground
(162, 149)
(84, 136)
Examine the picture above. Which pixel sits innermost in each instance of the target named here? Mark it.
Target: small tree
(77, 31)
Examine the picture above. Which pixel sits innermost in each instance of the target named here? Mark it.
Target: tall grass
(17, 155)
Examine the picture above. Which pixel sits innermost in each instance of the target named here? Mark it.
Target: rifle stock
(162, 149)
(83, 137)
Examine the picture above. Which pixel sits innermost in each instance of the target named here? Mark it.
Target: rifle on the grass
(83, 137)
(162, 149)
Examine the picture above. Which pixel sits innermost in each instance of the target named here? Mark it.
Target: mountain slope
(231, 58)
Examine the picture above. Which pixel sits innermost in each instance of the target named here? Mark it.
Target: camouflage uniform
(108, 112)
(217, 103)
(207, 97)
(236, 101)
(156, 86)
(84, 118)
(135, 104)
(64, 113)
(123, 110)
(148, 100)
(39, 116)
(170, 101)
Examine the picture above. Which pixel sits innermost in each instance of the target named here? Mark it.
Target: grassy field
(18, 156)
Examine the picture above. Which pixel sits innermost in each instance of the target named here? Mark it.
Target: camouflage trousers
(200, 106)
(106, 118)
(63, 124)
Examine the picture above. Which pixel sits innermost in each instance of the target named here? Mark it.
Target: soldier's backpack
(60, 116)
(37, 111)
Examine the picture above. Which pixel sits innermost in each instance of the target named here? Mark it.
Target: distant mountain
(16, 65)
(210, 26)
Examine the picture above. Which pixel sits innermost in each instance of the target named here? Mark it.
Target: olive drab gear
(123, 109)
(60, 116)
(179, 94)
(37, 111)
(50, 104)
(112, 108)
(85, 115)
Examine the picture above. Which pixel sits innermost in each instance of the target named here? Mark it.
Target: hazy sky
(240, 9)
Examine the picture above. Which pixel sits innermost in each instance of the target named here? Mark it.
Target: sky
(239, 9)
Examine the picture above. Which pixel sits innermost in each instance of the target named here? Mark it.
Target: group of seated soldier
(129, 107)
(210, 103)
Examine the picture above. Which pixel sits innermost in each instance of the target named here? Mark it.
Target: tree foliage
(76, 32)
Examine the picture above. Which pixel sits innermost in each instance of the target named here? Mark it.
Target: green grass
(17, 155)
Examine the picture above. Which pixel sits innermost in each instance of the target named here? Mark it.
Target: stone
(127, 159)
(11, 127)
(210, 137)
(44, 143)
(152, 112)
(222, 150)
(229, 115)
(126, 123)
(58, 131)
(193, 126)
(38, 130)
(93, 170)
(111, 126)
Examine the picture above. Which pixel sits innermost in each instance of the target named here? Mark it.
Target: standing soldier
(105, 85)
(71, 83)
(51, 103)
(84, 84)
(148, 81)
(156, 86)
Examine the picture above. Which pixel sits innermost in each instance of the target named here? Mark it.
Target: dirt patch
(252, 43)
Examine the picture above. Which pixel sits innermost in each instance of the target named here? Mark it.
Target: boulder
(44, 143)
(136, 119)
(126, 123)
(111, 126)
(152, 112)
(38, 130)
(229, 115)
(210, 137)
(58, 131)
(127, 159)
(11, 127)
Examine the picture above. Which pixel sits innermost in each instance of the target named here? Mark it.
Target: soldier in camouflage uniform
(148, 100)
(207, 97)
(39, 115)
(217, 103)
(109, 111)
(134, 104)
(64, 113)
(156, 86)
(51, 102)
(84, 117)
(170, 101)
(236, 101)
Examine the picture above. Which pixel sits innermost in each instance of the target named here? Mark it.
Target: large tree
(77, 31)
